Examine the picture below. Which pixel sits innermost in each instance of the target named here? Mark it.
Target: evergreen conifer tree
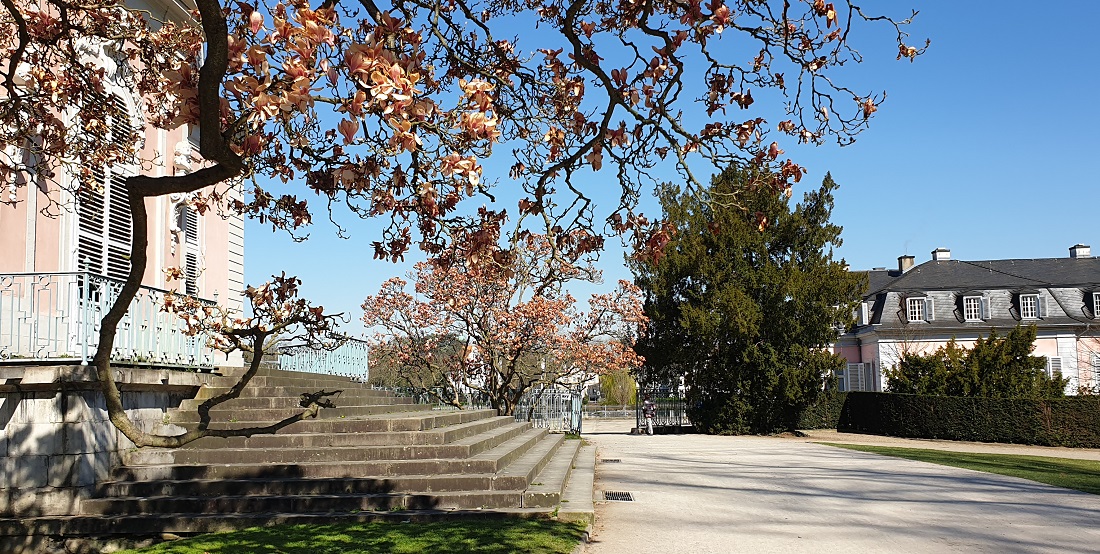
(745, 302)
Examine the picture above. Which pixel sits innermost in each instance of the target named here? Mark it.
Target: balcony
(55, 317)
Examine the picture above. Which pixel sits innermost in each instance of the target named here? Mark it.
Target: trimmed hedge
(823, 414)
(1071, 422)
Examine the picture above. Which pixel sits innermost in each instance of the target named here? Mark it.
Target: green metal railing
(349, 360)
(52, 317)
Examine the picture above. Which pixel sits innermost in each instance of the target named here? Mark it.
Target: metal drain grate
(611, 461)
(616, 496)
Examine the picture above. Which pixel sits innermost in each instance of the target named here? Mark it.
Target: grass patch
(482, 536)
(1082, 475)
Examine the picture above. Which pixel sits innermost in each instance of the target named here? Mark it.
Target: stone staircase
(374, 456)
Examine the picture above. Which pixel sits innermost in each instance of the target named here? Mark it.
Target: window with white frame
(1029, 306)
(1096, 304)
(972, 308)
(919, 309)
(841, 382)
(914, 309)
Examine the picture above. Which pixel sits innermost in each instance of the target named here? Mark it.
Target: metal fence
(349, 360)
(601, 411)
(558, 410)
(670, 408)
(56, 317)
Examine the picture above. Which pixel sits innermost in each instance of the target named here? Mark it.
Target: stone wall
(56, 441)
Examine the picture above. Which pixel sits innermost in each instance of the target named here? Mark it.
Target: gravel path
(696, 493)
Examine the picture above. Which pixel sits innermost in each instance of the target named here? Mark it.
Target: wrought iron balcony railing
(349, 360)
(54, 317)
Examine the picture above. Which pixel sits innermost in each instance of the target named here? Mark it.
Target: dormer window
(1096, 304)
(1029, 306)
(975, 308)
(919, 309)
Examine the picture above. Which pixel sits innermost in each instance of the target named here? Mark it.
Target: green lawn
(482, 536)
(1082, 475)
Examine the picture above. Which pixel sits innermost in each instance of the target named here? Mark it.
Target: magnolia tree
(391, 109)
(279, 318)
(495, 330)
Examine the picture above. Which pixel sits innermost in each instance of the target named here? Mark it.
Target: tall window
(104, 233)
(1029, 306)
(187, 221)
(1096, 304)
(972, 308)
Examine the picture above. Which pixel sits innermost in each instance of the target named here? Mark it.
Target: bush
(998, 367)
(823, 414)
(1070, 422)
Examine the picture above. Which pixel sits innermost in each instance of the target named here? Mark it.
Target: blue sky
(987, 145)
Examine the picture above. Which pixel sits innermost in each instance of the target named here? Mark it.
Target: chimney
(905, 263)
(1080, 251)
(941, 254)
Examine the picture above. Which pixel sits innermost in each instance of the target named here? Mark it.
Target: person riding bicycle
(649, 411)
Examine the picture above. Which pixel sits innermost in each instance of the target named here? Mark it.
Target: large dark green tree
(745, 301)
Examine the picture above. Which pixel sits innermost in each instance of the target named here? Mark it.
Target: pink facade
(33, 242)
(50, 239)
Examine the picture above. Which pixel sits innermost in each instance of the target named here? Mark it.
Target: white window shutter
(119, 227)
(985, 307)
(855, 377)
(1042, 305)
(929, 309)
(1054, 366)
(190, 225)
(191, 274)
(104, 233)
(89, 228)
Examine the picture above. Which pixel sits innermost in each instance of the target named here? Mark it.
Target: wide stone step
(490, 461)
(524, 447)
(284, 439)
(459, 449)
(303, 503)
(421, 419)
(305, 381)
(251, 391)
(545, 491)
(525, 464)
(288, 487)
(272, 372)
(279, 402)
(577, 502)
(268, 416)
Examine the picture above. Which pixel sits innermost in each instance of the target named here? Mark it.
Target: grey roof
(989, 274)
(878, 279)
